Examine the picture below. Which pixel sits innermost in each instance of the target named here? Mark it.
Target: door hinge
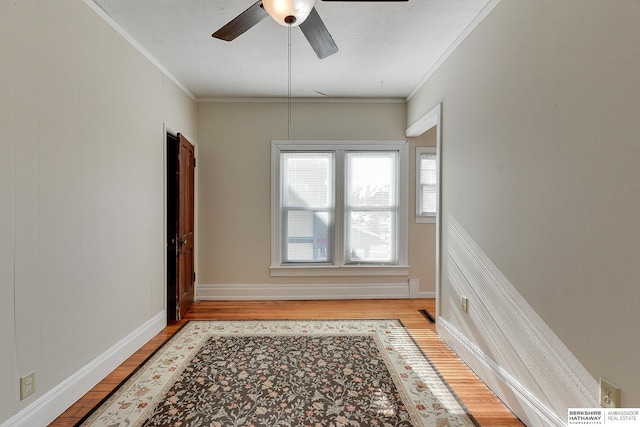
(194, 276)
(194, 162)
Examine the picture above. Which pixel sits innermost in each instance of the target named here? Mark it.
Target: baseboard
(431, 295)
(517, 398)
(303, 291)
(53, 403)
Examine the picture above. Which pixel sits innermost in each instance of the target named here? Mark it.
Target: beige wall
(234, 179)
(540, 155)
(81, 193)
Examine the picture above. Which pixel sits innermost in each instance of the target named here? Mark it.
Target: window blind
(428, 184)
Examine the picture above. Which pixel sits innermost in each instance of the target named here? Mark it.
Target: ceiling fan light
(282, 10)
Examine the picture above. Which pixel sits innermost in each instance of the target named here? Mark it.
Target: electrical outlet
(465, 304)
(609, 395)
(27, 385)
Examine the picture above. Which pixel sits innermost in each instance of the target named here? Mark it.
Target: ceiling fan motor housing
(288, 12)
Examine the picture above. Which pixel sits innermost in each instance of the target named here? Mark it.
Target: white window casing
(339, 208)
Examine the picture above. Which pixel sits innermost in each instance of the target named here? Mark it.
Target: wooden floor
(481, 402)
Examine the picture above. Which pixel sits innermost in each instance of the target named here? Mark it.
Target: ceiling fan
(293, 13)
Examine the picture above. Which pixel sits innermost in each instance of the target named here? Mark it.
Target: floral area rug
(285, 373)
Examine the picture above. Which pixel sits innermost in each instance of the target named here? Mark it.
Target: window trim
(338, 267)
(429, 218)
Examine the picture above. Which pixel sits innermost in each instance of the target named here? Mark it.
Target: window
(426, 184)
(339, 208)
(371, 206)
(307, 201)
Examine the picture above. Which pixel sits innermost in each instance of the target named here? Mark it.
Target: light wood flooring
(481, 402)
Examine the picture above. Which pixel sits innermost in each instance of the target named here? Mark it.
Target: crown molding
(306, 100)
(113, 24)
(457, 42)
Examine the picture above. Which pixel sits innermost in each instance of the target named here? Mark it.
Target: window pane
(371, 179)
(428, 199)
(307, 197)
(428, 169)
(428, 184)
(307, 237)
(371, 204)
(300, 224)
(370, 237)
(307, 180)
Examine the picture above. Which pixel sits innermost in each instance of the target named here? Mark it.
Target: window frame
(430, 217)
(338, 266)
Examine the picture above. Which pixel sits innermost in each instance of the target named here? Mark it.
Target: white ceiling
(385, 49)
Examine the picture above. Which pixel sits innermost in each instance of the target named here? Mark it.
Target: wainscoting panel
(505, 341)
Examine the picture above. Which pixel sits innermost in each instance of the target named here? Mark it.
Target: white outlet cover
(27, 385)
(609, 395)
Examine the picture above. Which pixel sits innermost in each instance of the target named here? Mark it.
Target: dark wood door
(180, 218)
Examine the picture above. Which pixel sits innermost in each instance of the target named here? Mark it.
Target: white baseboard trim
(517, 398)
(303, 291)
(427, 295)
(53, 403)
(414, 288)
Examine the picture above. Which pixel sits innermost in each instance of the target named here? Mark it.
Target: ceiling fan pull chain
(289, 86)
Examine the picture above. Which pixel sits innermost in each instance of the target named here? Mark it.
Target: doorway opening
(430, 120)
(180, 187)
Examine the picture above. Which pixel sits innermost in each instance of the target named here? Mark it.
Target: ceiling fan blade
(242, 22)
(318, 36)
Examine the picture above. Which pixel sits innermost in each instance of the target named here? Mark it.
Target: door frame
(428, 121)
(167, 129)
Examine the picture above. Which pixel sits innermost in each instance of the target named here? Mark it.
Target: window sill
(348, 270)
